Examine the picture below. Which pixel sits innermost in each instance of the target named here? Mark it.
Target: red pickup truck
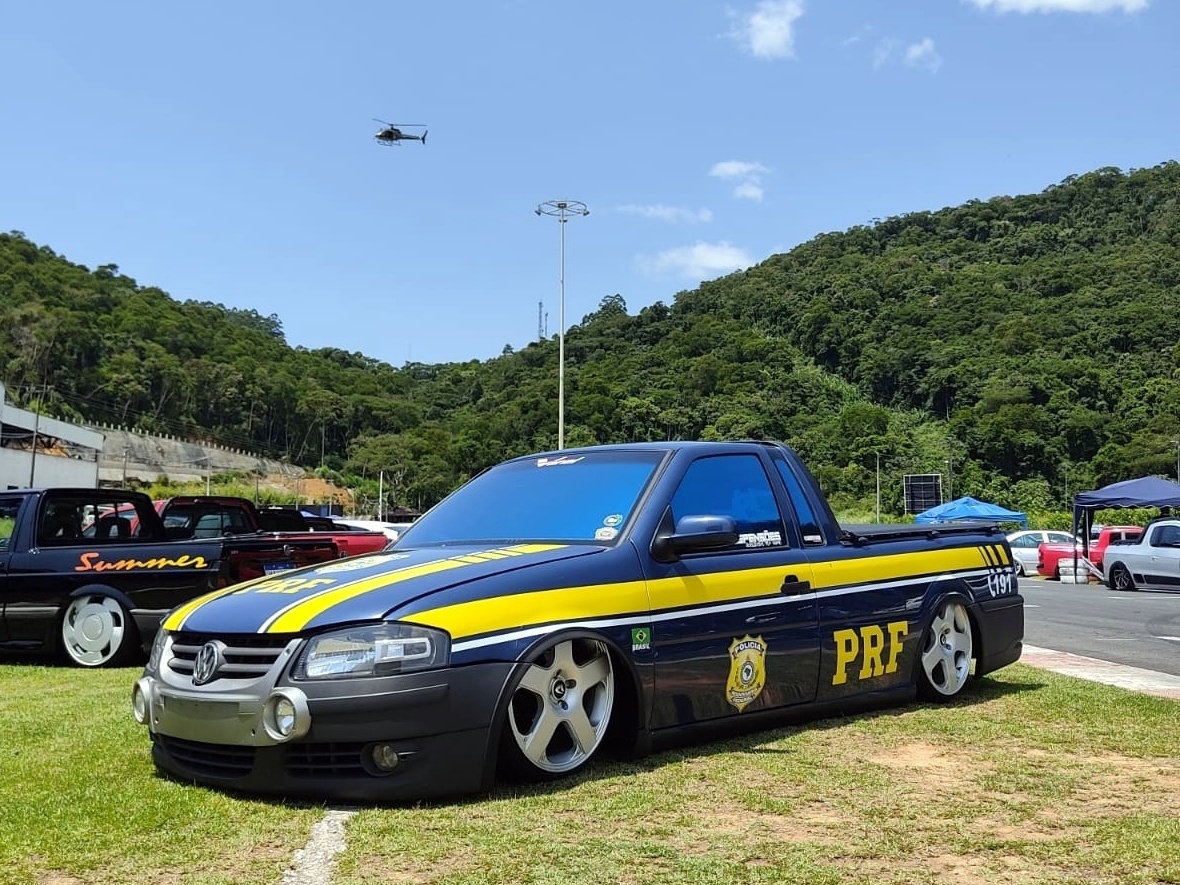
(1051, 557)
(213, 516)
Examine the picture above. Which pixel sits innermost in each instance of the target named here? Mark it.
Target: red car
(1052, 556)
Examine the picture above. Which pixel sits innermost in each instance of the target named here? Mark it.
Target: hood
(363, 588)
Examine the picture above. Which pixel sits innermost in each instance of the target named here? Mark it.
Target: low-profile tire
(1020, 570)
(1120, 578)
(97, 631)
(944, 657)
(559, 711)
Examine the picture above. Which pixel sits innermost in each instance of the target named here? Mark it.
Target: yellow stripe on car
(298, 615)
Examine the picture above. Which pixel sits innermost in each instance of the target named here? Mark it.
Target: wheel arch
(625, 734)
(938, 599)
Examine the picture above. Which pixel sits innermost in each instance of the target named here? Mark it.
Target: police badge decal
(747, 671)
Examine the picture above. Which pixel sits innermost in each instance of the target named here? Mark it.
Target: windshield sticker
(605, 534)
(558, 461)
(613, 521)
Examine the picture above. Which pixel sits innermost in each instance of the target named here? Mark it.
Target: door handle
(761, 619)
(792, 585)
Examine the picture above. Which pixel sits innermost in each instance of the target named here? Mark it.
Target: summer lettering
(91, 562)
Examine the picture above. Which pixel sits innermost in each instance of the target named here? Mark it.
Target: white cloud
(748, 190)
(700, 261)
(768, 31)
(671, 214)
(1096, 6)
(923, 55)
(883, 51)
(747, 175)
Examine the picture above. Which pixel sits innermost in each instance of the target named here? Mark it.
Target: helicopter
(390, 134)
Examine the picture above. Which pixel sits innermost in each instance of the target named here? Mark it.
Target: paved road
(1139, 629)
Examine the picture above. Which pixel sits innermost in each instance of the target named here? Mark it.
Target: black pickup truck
(91, 572)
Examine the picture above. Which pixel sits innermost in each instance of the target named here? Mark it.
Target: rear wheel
(560, 710)
(1120, 577)
(97, 631)
(944, 664)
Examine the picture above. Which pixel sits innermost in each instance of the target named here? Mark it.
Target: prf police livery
(562, 603)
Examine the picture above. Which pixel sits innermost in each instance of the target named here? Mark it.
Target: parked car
(562, 603)
(1025, 543)
(1050, 557)
(1149, 562)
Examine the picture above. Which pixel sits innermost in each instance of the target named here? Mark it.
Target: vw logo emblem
(208, 661)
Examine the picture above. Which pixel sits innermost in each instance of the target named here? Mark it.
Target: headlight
(157, 653)
(378, 650)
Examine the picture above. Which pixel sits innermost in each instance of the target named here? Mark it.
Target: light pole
(561, 210)
(878, 454)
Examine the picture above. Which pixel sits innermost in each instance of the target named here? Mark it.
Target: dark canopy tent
(969, 508)
(1147, 491)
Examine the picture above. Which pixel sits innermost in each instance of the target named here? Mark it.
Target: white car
(1026, 543)
(1150, 562)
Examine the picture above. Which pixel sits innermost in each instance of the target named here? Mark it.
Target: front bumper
(435, 726)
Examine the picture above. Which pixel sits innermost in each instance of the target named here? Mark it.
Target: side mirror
(694, 534)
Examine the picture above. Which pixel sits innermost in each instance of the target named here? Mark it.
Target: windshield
(578, 497)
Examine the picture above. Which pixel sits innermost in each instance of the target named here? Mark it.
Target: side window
(1166, 536)
(62, 521)
(737, 486)
(808, 523)
(9, 507)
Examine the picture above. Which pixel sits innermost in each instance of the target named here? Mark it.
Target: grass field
(1029, 778)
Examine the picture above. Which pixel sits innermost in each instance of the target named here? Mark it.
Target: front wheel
(1120, 577)
(97, 631)
(559, 712)
(944, 664)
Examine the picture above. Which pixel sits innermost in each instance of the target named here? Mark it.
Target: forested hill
(1025, 347)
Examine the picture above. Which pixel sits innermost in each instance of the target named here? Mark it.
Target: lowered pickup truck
(562, 603)
(1150, 561)
(92, 571)
(214, 516)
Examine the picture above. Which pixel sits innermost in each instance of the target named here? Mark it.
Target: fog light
(285, 715)
(139, 704)
(384, 756)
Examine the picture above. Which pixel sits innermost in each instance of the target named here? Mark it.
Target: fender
(628, 690)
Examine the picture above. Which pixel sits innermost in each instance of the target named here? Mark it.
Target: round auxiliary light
(139, 704)
(285, 715)
(384, 757)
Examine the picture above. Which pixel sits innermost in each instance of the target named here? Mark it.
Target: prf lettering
(875, 647)
(290, 585)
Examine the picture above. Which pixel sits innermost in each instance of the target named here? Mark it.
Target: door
(733, 630)
(9, 510)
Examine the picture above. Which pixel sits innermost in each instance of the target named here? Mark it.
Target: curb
(1162, 685)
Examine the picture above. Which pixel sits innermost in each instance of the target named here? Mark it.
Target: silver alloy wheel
(946, 651)
(560, 711)
(94, 630)
(1120, 577)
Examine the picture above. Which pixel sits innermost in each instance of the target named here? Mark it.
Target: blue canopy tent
(968, 508)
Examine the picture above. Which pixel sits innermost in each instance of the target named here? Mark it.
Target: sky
(224, 152)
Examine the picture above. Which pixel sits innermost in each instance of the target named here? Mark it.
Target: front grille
(247, 655)
(209, 760)
(323, 760)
